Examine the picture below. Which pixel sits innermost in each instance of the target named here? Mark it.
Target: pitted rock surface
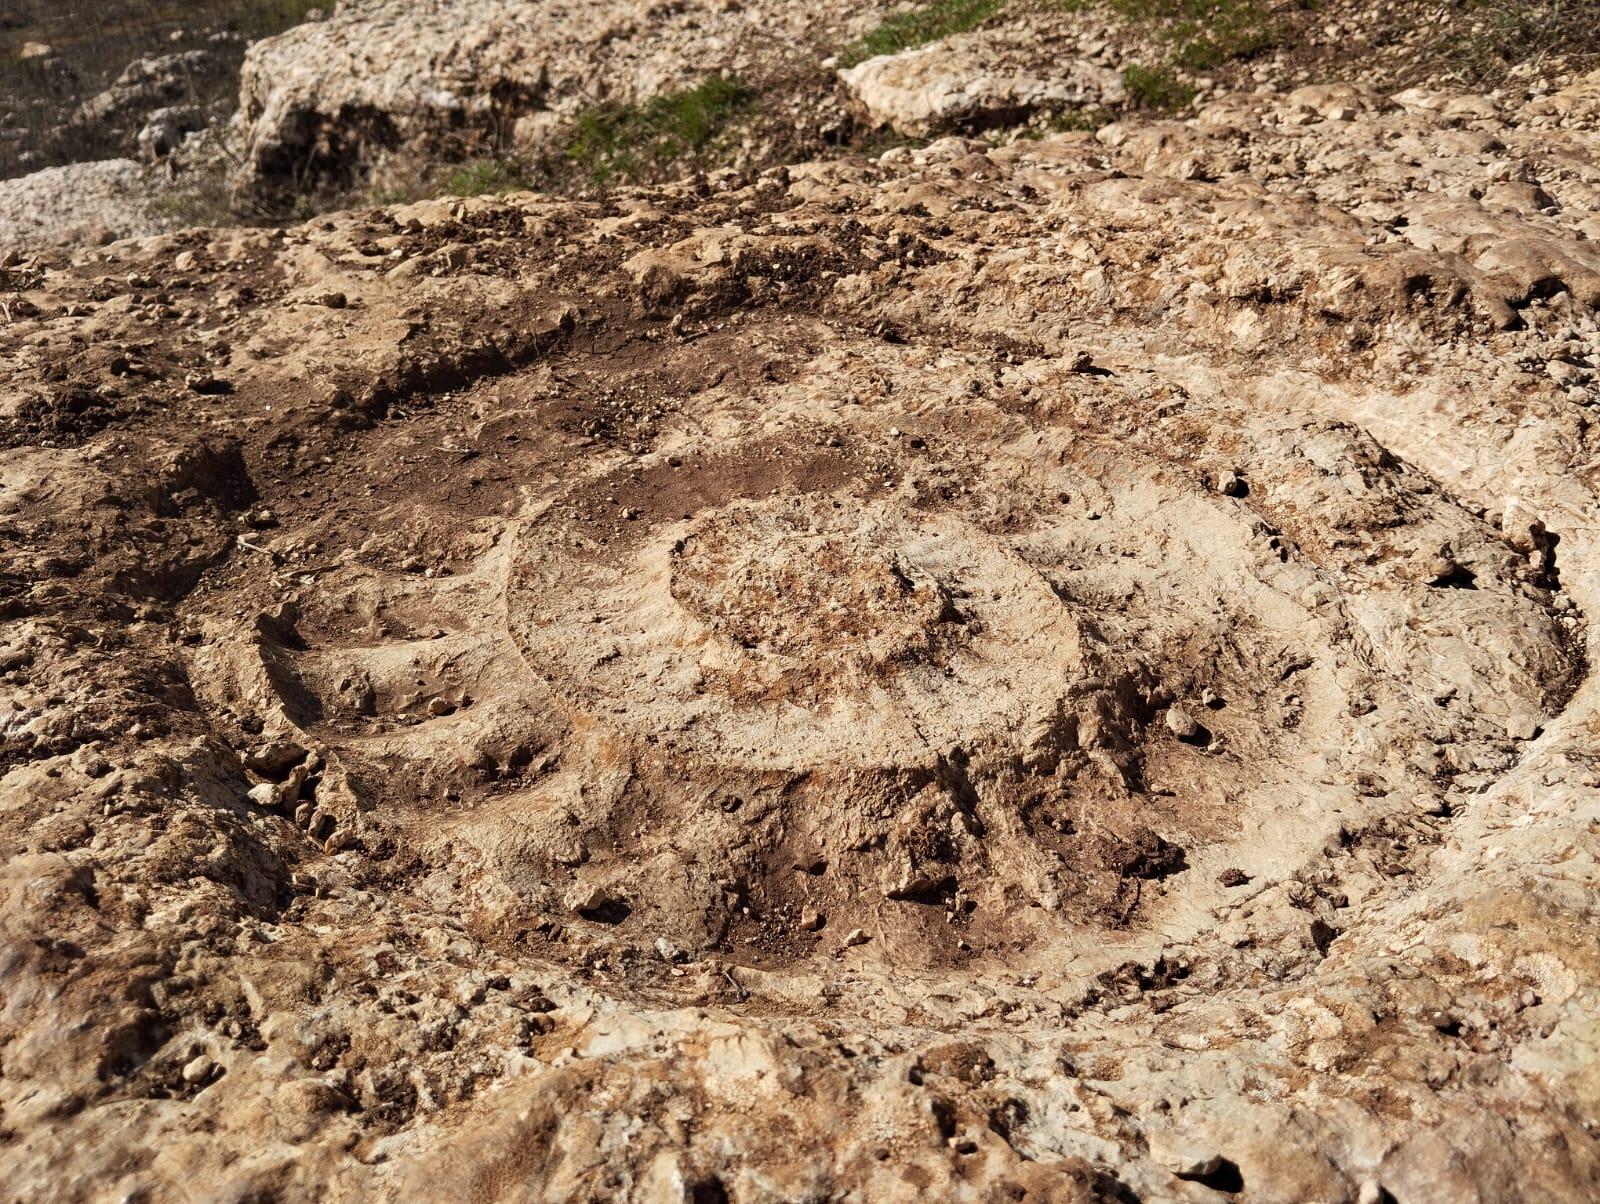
(1046, 671)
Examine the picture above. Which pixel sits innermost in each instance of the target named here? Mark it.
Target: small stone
(856, 936)
(1565, 374)
(206, 383)
(811, 920)
(1211, 700)
(1230, 484)
(90, 764)
(1522, 727)
(265, 794)
(275, 758)
(570, 854)
(911, 885)
(1233, 876)
(1181, 724)
(199, 1069)
(668, 952)
(440, 706)
(587, 898)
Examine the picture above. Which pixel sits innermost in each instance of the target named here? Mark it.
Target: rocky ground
(1021, 668)
(393, 101)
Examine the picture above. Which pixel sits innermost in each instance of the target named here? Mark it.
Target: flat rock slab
(977, 81)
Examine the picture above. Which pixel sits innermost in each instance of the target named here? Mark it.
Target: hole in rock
(613, 911)
(1459, 577)
(708, 1191)
(1224, 1177)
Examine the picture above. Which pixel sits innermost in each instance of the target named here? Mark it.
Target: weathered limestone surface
(1050, 671)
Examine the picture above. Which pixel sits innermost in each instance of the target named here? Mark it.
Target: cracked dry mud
(1054, 672)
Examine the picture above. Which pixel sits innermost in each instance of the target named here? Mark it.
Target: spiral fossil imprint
(1042, 671)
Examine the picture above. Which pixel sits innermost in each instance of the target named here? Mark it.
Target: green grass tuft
(1491, 36)
(1156, 89)
(927, 22)
(480, 176)
(1079, 121)
(628, 142)
(1202, 35)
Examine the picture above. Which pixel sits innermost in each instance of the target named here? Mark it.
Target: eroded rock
(778, 545)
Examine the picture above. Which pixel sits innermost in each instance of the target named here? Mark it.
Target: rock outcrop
(457, 77)
(979, 81)
(148, 84)
(77, 205)
(1047, 671)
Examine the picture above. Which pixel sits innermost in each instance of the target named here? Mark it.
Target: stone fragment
(667, 951)
(588, 898)
(275, 758)
(198, 1069)
(1565, 374)
(1522, 727)
(265, 794)
(973, 81)
(1181, 724)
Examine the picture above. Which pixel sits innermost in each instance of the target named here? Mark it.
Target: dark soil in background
(93, 42)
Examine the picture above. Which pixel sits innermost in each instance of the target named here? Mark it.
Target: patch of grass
(480, 176)
(1492, 36)
(1068, 121)
(1212, 32)
(1085, 121)
(634, 141)
(194, 207)
(927, 22)
(1202, 35)
(1156, 89)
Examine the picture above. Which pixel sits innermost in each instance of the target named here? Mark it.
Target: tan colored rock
(81, 204)
(922, 461)
(464, 77)
(977, 81)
